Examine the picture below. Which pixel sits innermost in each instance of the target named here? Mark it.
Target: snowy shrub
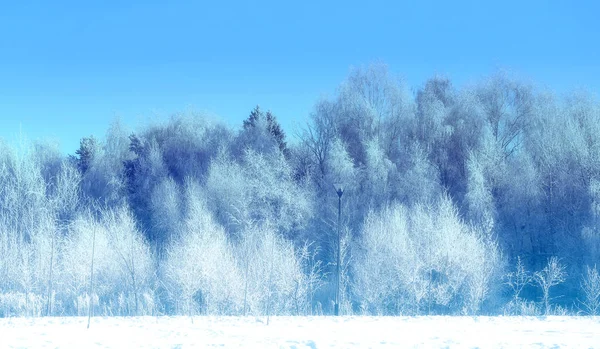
(12, 304)
(423, 259)
(21, 304)
(558, 310)
(521, 307)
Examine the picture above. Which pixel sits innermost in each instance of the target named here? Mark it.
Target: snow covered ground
(302, 332)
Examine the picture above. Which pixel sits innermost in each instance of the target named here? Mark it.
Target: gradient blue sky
(68, 68)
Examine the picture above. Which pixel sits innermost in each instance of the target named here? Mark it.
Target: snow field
(301, 332)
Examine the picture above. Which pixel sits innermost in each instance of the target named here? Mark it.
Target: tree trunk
(91, 300)
(271, 279)
(49, 309)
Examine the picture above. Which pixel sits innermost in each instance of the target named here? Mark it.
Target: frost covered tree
(162, 156)
(259, 189)
(508, 107)
(123, 267)
(104, 179)
(591, 232)
(135, 265)
(88, 148)
(423, 259)
(442, 187)
(166, 209)
(372, 104)
(262, 133)
(272, 272)
(27, 227)
(590, 286)
(201, 267)
(479, 198)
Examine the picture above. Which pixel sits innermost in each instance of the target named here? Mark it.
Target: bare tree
(518, 279)
(508, 106)
(553, 274)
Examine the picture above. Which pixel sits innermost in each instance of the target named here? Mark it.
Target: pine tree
(257, 119)
(85, 154)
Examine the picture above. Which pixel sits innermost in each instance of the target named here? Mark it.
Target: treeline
(480, 200)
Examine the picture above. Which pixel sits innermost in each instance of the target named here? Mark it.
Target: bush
(521, 307)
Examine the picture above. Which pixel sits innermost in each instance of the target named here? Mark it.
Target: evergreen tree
(258, 119)
(85, 154)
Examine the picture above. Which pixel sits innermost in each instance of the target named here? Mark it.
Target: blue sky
(68, 68)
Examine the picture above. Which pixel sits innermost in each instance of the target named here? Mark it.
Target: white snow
(302, 332)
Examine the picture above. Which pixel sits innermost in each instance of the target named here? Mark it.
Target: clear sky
(68, 68)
